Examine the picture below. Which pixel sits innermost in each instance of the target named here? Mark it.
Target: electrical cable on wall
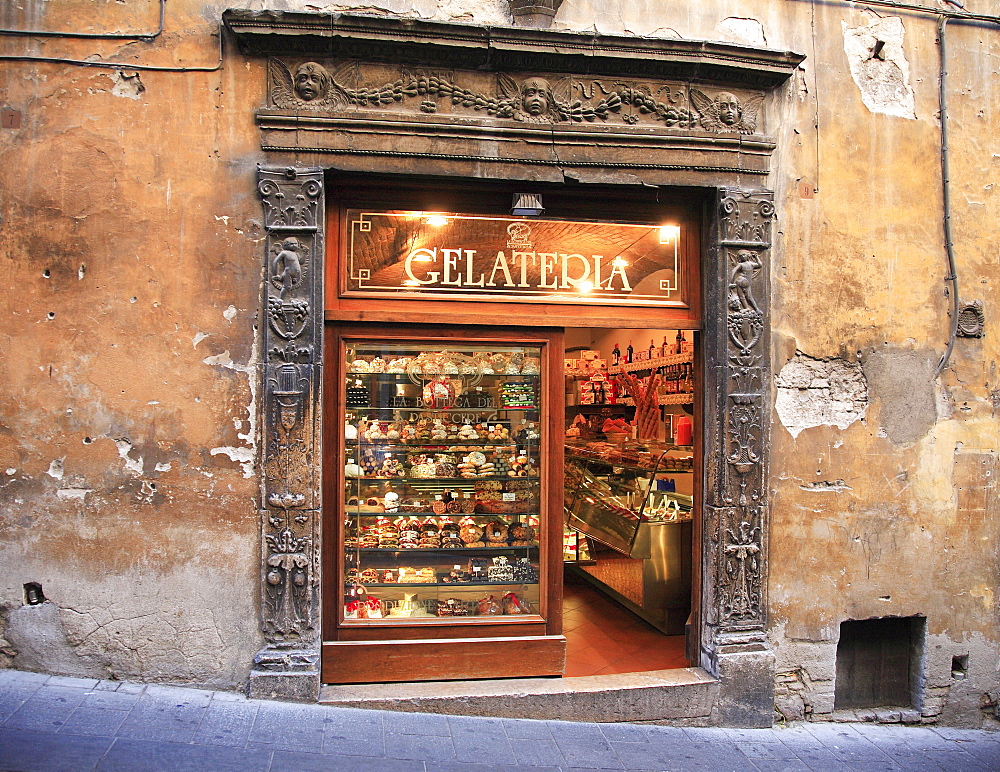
(140, 36)
(90, 35)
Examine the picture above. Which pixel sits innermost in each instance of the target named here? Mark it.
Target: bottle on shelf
(616, 356)
(652, 349)
(629, 351)
(665, 349)
(680, 341)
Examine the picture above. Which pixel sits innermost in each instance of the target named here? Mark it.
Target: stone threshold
(686, 696)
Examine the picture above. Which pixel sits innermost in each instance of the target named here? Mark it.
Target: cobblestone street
(57, 723)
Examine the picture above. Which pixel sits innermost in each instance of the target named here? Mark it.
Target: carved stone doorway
(368, 117)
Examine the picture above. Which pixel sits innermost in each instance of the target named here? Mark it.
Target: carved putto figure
(287, 267)
(747, 266)
(311, 81)
(726, 112)
(534, 100)
(312, 86)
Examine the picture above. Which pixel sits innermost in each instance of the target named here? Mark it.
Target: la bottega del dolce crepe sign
(499, 258)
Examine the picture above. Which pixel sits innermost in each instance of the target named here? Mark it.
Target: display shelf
(450, 446)
(456, 409)
(378, 403)
(600, 409)
(405, 378)
(411, 585)
(428, 513)
(448, 480)
(652, 364)
(432, 551)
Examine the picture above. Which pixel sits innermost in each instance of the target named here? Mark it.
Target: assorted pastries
(406, 533)
(450, 363)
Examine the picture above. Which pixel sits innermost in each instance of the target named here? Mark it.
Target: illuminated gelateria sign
(434, 255)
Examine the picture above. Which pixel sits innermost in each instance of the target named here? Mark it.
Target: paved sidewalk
(55, 723)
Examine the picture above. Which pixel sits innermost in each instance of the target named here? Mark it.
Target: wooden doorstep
(443, 660)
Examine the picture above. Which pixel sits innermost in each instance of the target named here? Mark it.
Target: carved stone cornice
(517, 49)
(562, 146)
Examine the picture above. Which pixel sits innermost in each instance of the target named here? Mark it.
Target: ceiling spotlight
(668, 233)
(527, 205)
(437, 220)
(586, 286)
(619, 262)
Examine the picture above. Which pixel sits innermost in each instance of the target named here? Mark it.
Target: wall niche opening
(878, 662)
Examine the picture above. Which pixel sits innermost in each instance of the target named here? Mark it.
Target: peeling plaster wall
(894, 514)
(130, 228)
(130, 250)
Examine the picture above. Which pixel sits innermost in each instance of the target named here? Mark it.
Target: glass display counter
(635, 500)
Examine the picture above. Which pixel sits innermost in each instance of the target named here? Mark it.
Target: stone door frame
(736, 346)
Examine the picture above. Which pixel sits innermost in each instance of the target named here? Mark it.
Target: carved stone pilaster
(735, 515)
(292, 326)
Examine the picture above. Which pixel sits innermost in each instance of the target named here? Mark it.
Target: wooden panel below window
(347, 662)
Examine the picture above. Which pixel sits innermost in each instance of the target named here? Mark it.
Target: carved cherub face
(291, 244)
(311, 81)
(535, 96)
(729, 108)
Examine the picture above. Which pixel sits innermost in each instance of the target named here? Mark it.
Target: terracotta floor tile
(603, 637)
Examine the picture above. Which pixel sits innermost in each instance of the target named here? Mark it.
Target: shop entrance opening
(629, 499)
(510, 476)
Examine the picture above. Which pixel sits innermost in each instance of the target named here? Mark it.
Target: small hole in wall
(33, 594)
(87, 440)
(51, 314)
(46, 273)
(959, 667)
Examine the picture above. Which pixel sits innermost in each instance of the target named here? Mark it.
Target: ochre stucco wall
(143, 211)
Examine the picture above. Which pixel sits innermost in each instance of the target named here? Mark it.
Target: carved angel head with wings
(535, 100)
(311, 81)
(726, 112)
(311, 86)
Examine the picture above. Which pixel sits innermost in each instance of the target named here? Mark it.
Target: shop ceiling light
(527, 205)
(669, 233)
(437, 220)
(586, 286)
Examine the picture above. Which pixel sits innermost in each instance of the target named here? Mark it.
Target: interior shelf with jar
(442, 473)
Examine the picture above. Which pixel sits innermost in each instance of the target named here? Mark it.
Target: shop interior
(627, 553)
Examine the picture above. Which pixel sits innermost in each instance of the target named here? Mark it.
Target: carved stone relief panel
(336, 87)
(735, 522)
(292, 200)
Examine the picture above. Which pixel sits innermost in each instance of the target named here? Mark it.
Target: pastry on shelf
(452, 607)
(487, 606)
(511, 604)
(409, 606)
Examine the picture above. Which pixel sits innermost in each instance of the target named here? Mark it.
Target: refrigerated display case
(624, 496)
(444, 523)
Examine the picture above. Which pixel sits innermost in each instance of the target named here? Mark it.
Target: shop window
(878, 662)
